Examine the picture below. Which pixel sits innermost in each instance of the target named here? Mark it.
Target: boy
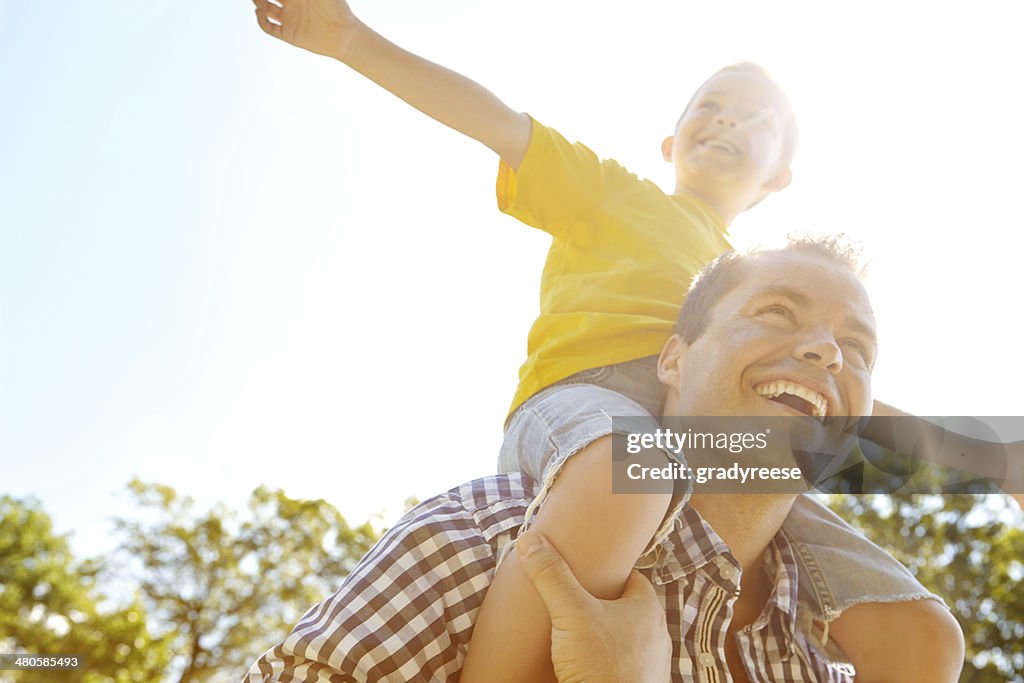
(623, 254)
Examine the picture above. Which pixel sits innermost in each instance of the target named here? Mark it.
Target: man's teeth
(773, 389)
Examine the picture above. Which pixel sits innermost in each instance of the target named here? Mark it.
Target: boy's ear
(666, 147)
(781, 180)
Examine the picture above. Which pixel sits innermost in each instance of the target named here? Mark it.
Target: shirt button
(706, 659)
(728, 572)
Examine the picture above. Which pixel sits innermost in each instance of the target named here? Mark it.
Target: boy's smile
(718, 144)
(732, 144)
(726, 127)
(737, 113)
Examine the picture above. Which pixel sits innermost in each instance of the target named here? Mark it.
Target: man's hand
(594, 640)
(325, 27)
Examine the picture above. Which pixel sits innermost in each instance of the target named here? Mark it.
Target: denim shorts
(556, 423)
(839, 567)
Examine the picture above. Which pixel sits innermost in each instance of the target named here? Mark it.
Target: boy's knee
(911, 640)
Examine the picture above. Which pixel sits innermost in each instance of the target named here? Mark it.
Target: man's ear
(781, 180)
(669, 362)
(666, 147)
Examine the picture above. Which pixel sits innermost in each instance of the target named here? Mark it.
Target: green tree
(967, 549)
(50, 605)
(226, 587)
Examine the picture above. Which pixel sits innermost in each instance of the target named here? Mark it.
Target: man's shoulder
(483, 492)
(488, 506)
(441, 539)
(407, 610)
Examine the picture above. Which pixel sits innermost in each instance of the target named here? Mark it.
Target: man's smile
(795, 395)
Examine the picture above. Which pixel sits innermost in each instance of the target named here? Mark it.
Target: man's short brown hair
(719, 277)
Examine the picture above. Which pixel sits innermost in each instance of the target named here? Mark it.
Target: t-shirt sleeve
(404, 613)
(558, 182)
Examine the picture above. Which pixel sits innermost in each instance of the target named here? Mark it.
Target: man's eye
(857, 348)
(775, 309)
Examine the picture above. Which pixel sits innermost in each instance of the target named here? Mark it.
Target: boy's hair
(790, 133)
(719, 277)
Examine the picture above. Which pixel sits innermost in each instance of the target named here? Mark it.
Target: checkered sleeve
(407, 610)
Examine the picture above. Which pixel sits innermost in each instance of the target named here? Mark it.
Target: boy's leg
(840, 567)
(599, 534)
(917, 640)
(889, 625)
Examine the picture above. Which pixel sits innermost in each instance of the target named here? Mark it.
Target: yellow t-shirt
(621, 260)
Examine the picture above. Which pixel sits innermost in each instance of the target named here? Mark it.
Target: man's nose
(822, 352)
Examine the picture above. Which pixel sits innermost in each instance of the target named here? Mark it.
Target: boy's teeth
(720, 145)
(774, 389)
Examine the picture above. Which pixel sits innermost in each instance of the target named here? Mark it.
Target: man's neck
(746, 522)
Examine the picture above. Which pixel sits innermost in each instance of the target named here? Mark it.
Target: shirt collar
(782, 605)
(694, 545)
(690, 546)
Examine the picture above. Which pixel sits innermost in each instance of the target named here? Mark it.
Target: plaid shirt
(406, 612)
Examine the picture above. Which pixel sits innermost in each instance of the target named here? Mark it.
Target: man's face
(732, 135)
(795, 336)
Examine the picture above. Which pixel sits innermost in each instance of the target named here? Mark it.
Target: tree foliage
(226, 587)
(968, 549)
(50, 605)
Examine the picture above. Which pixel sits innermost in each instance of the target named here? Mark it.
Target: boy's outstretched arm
(911, 435)
(329, 27)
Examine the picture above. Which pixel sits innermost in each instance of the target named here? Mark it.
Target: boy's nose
(724, 120)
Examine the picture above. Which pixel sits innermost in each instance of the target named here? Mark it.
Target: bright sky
(227, 262)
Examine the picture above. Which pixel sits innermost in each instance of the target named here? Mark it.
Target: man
(797, 315)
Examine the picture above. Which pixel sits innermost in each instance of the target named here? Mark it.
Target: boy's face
(729, 141)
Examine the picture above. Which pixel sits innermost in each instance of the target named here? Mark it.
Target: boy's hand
(329, 28)
(325, 27)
